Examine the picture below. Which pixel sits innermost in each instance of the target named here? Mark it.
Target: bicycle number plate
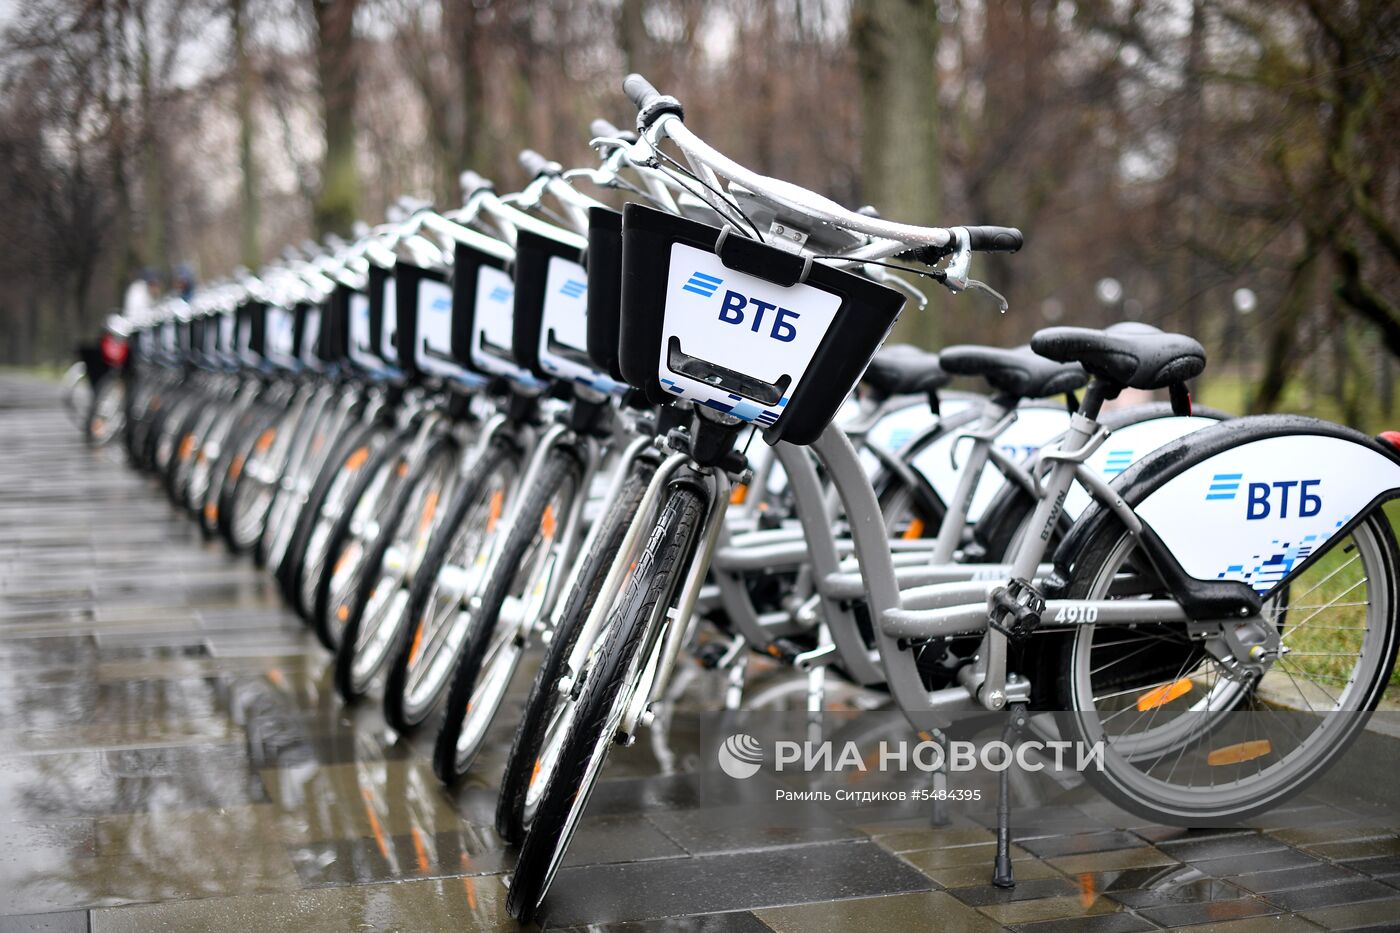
(279, 336)
(1254, 512)
(564, 329)
(310, 334)
(734, 341)
(388, 320)
(226, 331)
(433, 351)
(494, 323)
(359, 348)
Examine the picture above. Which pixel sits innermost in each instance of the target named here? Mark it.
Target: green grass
(1232, 392)
(49, 371)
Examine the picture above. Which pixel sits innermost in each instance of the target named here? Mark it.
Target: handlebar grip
(994, 239)
(639, 91)
(471, 183)
(650, 102)
(601, 127)
(535, 164)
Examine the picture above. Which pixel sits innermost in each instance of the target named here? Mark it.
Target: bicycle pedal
(710, 655)
(1015, 609)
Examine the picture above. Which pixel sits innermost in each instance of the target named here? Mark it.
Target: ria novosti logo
(740, 756)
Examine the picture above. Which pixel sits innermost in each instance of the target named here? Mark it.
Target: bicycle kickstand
(1001, 873)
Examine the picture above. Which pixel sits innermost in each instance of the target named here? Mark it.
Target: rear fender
(1232, 512)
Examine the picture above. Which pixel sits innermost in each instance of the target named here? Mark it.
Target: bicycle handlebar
(602, 129)
(535, 164)
(650, 102)
(660, 114)
(989, 239)
(471, 183)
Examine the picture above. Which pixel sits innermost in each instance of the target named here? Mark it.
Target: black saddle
(1133, 355)
(1016, 372)
(901, 369)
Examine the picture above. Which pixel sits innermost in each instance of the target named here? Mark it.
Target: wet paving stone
(668, 887)
(63, 921)
(1103, 923)
(1330, 895)
(1184, 915)
(173, 756)
(1080, 843)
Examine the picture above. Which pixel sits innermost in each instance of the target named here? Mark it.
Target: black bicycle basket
(748, 329)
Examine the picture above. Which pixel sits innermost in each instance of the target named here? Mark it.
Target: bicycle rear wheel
(1187, 740)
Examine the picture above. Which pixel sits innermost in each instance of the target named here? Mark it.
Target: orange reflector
(535, 773)
(1163, 695)
(343, 613)
(357, 459)
(417, 643)
(98, 424)
(340, 562)
(374, 823)
(429, 510)
(1088, 890)
(1239, 753)
(915, 529)
(186, 445)
(265, 440)
(548, 525)
(403, 468)
(738, 494)
(420, 851)
(235, 468)
(498, 502)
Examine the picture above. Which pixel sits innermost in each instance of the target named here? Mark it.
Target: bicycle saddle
(1017, 372)
(901, 369)
(1134, 355)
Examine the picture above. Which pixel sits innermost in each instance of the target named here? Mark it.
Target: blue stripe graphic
(702, 284)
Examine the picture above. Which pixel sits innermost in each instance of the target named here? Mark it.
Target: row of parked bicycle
(639, 411)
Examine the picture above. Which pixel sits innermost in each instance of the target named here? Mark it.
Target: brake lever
(878, 274)
(974, 285)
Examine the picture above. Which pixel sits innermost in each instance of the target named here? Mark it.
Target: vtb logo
(739, 309)
(1266, 499)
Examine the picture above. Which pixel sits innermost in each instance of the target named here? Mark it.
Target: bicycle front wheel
(608, 681)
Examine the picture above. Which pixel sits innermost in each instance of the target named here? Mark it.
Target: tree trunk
(632, 38)
(1283, 342)
(250, 249)
(338, 203)
(155, 250)
(895, 43)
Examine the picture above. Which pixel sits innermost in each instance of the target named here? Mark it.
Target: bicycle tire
(529, 733)
(1096, 553)
(340, 530)
(346, 684)
(561, 464)
(604, 693)
(401, 715)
